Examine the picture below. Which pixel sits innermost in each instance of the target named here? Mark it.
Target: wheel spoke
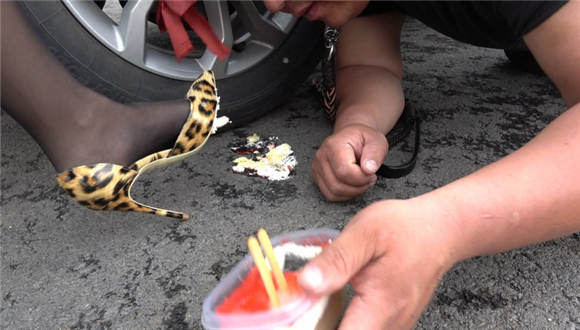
(219, 19)
(261, 29)
(128, 38)
(133, 30)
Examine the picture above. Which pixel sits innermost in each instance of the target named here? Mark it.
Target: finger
(345, 186)
(337, 192)
(328, 195)
(319, 179)
(376, 291)
(339, 261)
(297, 8)
(338, 164)
(389, 309)
(274, 5)
(373, 154)
(332, 189)
(344, 165)
(360, 308)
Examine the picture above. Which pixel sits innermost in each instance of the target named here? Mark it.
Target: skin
(333, 13)
(345, 164)
(63, 114)
(395, 252)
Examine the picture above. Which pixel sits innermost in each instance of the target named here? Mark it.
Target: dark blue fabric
(494, 24)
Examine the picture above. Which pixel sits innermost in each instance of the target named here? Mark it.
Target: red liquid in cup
(240, 300)
(250, 296)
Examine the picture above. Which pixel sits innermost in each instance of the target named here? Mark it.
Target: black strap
(406, 123)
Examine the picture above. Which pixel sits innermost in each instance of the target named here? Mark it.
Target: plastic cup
(304, 313)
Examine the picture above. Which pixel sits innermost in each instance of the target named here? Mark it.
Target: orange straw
(260, 262)
(267, 247)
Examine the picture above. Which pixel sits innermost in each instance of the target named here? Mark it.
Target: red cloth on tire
(169, 15)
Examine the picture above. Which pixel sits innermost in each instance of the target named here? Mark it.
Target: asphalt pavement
(64, 266)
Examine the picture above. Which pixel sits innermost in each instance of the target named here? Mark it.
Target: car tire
(244, 96)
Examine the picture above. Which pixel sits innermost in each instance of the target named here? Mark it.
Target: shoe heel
(107, 186)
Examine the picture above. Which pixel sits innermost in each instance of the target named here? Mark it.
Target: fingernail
(371, 165)
(311, 277)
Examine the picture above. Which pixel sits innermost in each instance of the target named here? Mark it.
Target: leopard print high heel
(106, 186)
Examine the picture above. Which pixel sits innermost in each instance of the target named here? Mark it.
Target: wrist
(348, 121)
(353, 125)
(369, 115)
(441, 216)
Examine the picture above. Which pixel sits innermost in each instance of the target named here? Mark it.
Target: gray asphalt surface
(64, 266)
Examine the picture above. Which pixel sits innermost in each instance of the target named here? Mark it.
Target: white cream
(275, 166)
(220, 122)
(306, 252)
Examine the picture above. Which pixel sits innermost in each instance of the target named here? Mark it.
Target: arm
(369, 94)
(333, 13)
(395, 252)
(370, 100)
(533, 194)
(369, 73)
(530, 196)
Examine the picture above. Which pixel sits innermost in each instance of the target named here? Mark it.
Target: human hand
(336, 169)
(334, 13)
(394, 254)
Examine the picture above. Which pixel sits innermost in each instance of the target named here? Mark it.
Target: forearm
(368, 95)
(530, 196)
(369, 72)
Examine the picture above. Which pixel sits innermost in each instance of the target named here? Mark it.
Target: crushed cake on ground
(264, 158)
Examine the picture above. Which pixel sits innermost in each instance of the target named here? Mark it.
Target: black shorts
(494, 24)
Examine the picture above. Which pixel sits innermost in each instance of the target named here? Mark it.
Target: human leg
(73, 124)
